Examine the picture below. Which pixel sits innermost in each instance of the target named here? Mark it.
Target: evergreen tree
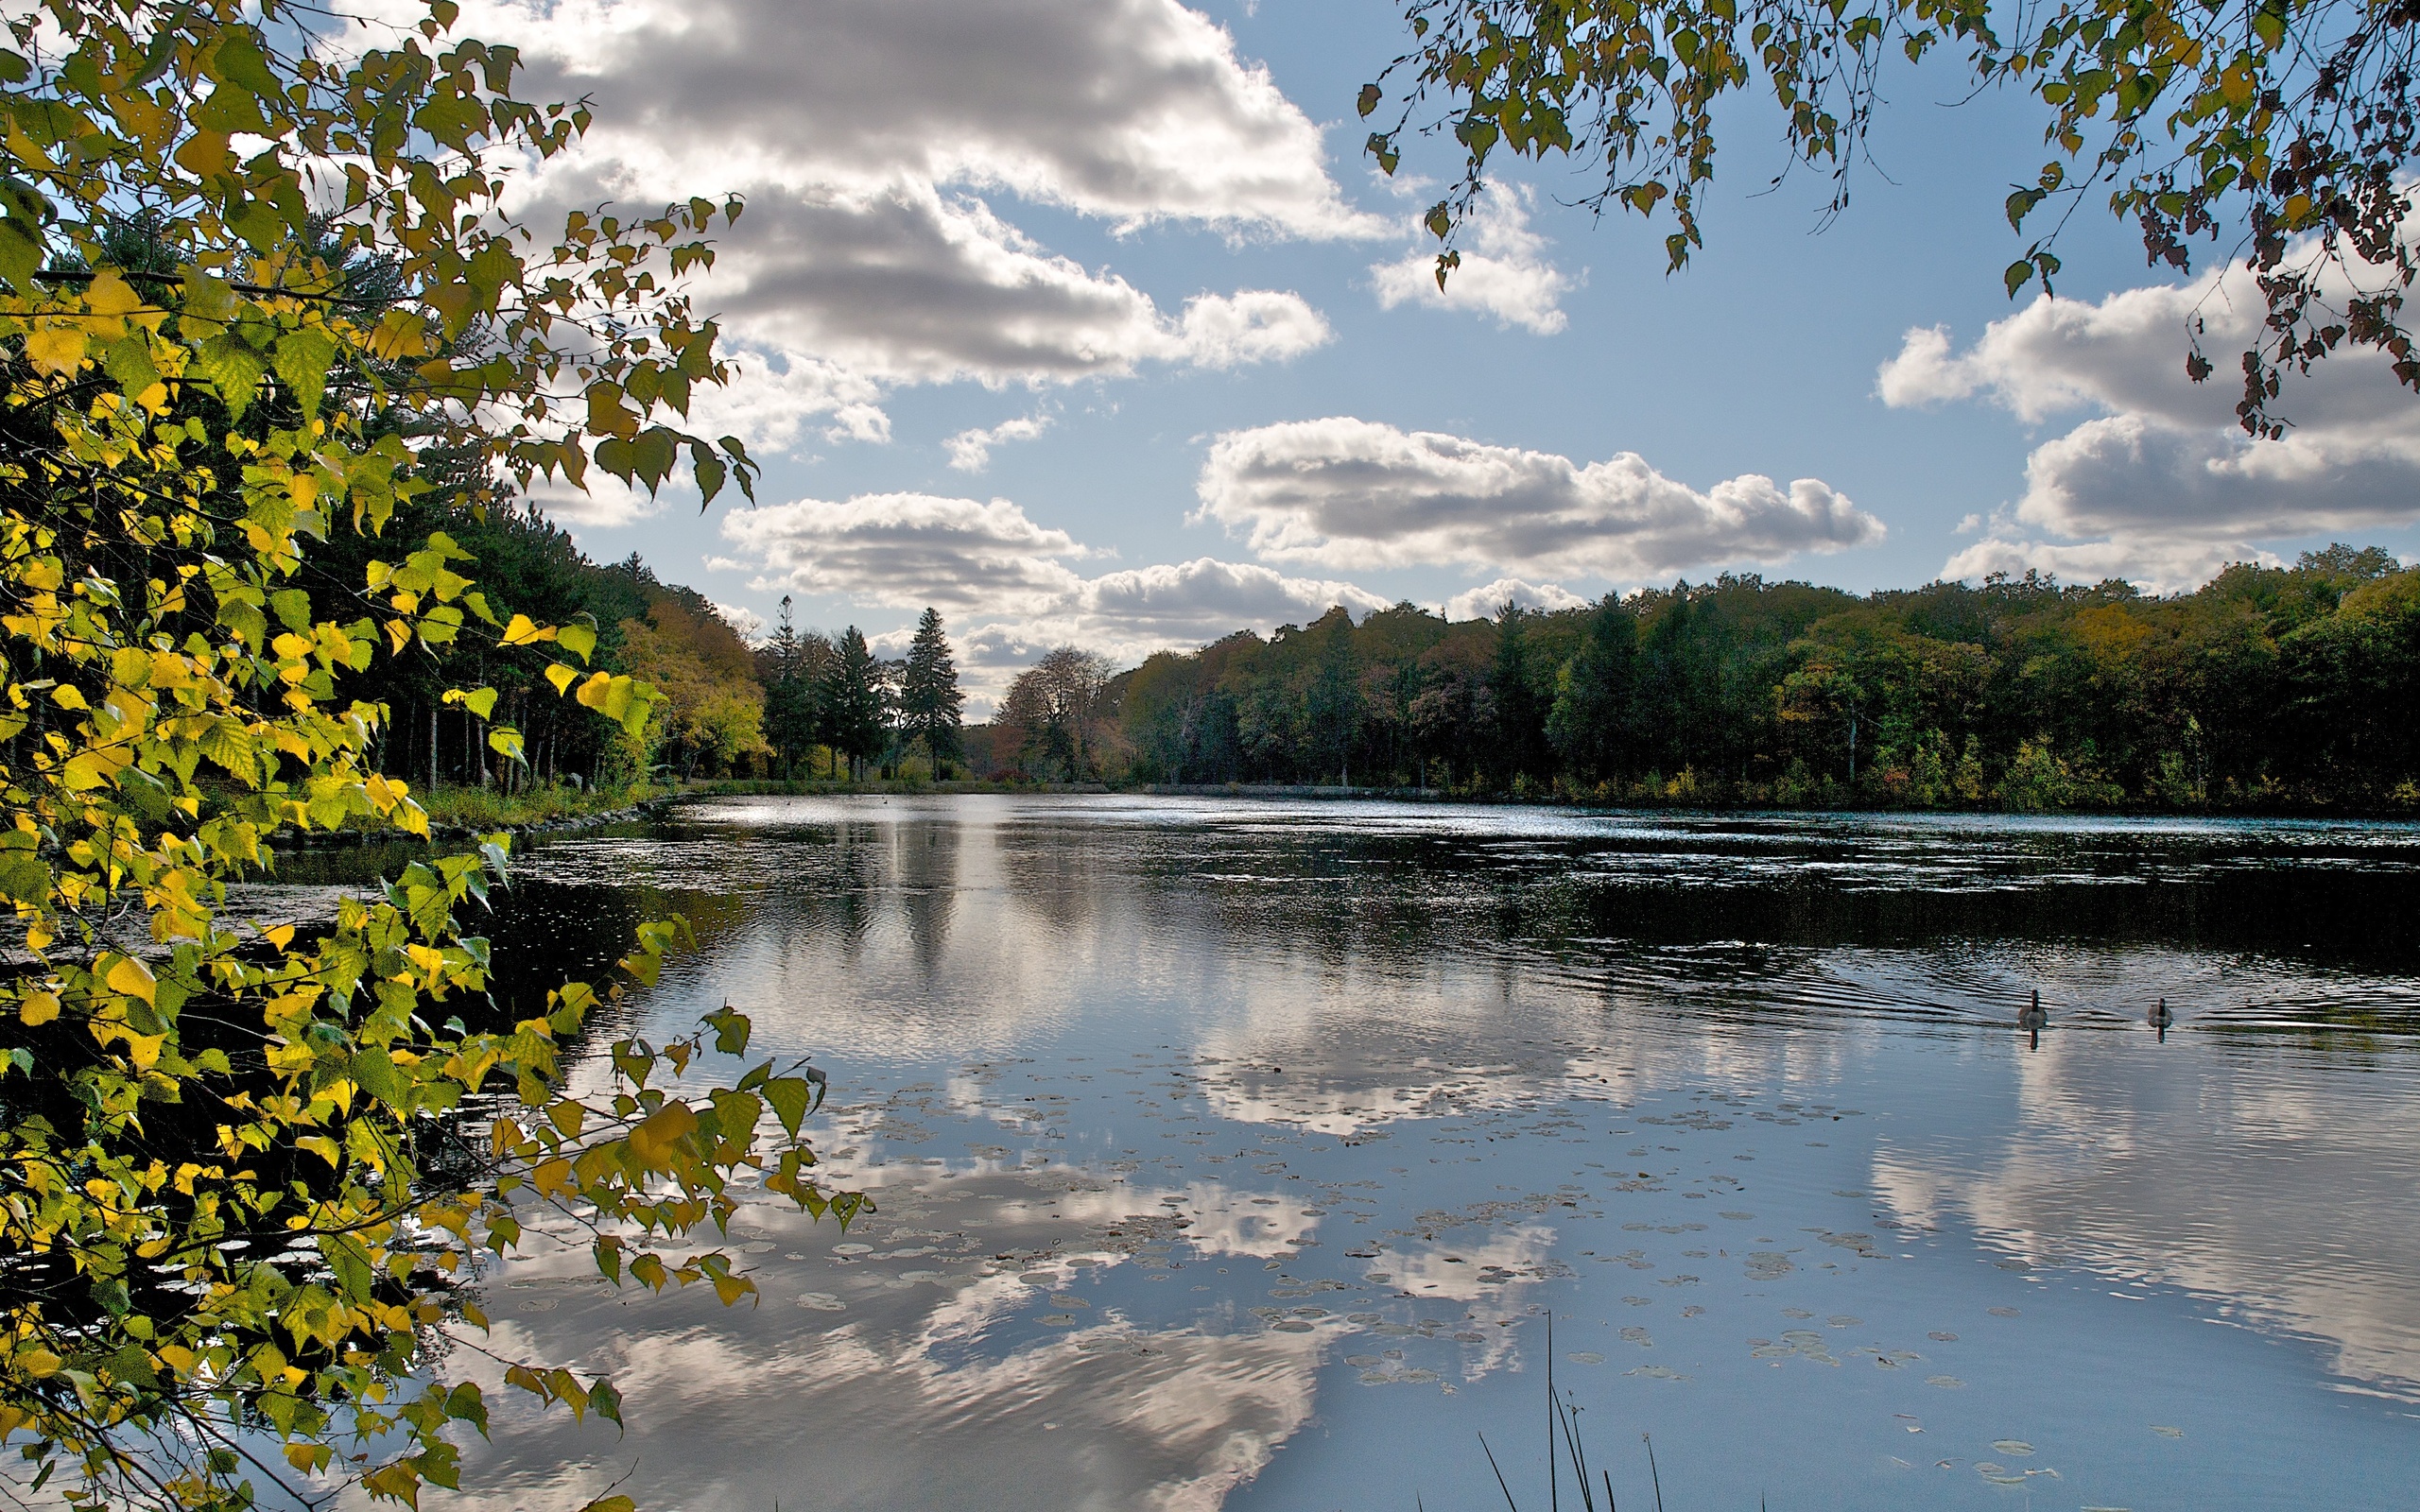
(852, 701)
(929, 698)
(1590, 722)
(792, 695)
(1520, 715)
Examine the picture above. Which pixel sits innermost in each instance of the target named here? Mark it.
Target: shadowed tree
(929, 698)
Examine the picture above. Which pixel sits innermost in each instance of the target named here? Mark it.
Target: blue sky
(996, 218)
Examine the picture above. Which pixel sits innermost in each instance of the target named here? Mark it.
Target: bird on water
(2033, 1018)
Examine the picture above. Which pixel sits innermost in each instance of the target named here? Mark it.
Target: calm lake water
(1241, 1154)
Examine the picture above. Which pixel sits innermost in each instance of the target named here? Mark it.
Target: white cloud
(1483, 603)
(863, 133)
(1007, 581)
(1504, 270)
(970, 451)
(2162, 486)
(1257, 325)
(901, 284)
(1356, 493)
(906, 550)
(747, 622)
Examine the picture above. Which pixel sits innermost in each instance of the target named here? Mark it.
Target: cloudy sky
(1087, 320)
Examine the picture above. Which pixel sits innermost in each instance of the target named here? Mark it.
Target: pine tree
(929, 698)
(852, 711)
(792, 698)
(1520, 715)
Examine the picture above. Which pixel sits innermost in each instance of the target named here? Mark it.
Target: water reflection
(1231, 1155)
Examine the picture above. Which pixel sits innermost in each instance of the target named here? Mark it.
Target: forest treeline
(801, 704)
(2273, 689)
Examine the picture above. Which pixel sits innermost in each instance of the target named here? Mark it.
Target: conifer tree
(792, 698)
(852, 701)
(929, 698)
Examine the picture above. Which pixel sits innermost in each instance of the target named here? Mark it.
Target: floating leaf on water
(1943, 1338)
(1056, 1302)
(2165, 1432)
(2003, 1312)
(1361, 1362)
(2011, 1446)
(1586, 1357)
(1842, 1320)
(1470, 1338)
(1375, 1378)
(1657, 1372)
(1058, 1320)
(1737, 1217)
(1795, 1312)
(820, 1302)
(1984, 1466)
(1291, 1325)
(853, 1248)
(1946, 1382)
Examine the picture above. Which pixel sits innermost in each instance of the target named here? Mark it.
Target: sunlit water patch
(1240, 1156)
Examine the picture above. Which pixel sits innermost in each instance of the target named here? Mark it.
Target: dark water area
(1236, 1155)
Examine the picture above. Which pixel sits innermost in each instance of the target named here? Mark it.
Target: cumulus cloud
(864, 135)
(906, 550)
(746, 622)
(1357, 493)
(970, 451)
(1504, 270)
(1008, 581)
(901, 284)
(1483, 603)
(2161, 485)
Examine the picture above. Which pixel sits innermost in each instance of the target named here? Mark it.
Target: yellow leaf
(55, 348)
(560, 676)
(525, 631)
(652, 1140)
(38, 1008)
(132, 978)
(108, 294)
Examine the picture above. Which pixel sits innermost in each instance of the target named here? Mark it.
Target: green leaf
(2016, 275)
(791, 1097)
(232, 370)
(579, 637)
(302, 359)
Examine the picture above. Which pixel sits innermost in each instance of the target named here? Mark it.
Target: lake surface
(1242, 1155)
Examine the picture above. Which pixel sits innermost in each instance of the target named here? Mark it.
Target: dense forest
(802, 704)
(2277, 689)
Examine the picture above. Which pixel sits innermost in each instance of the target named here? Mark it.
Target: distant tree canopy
(1057, 715)
(2281, 130)
(2273, 689)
